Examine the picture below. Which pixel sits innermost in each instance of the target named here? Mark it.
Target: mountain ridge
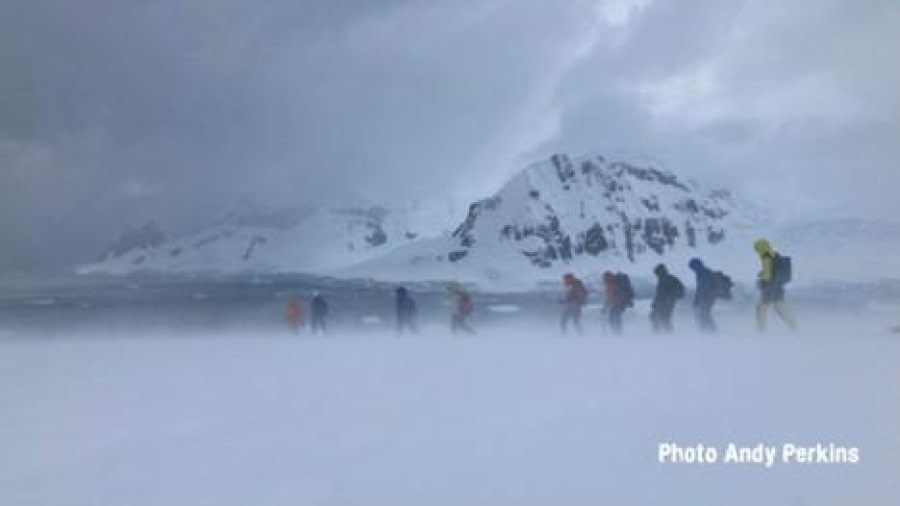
(562, 213)
(553, 211)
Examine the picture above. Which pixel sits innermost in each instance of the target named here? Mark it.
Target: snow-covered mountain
(581, 214)
(564, 207)
(568, 213)
(304, 239)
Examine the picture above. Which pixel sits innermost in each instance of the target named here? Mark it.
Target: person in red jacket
(618, 297)
(462, 309)
(575, 299)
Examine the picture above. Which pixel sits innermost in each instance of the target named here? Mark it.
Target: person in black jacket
(668, 290)
(704, 296)
(319, 313)
(406, 311)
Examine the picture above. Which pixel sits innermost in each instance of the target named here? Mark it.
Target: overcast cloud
(113, 113)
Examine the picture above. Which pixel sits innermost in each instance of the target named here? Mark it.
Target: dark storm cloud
(790, 101)
(115, 113)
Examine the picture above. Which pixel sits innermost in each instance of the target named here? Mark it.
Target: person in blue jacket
(406, 311)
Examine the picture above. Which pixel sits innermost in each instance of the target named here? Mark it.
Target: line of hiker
(461, 302)
(711, 286)
(405, 305)
(618, 296)
(318, 308)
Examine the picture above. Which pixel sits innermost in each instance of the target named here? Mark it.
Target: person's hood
(695, 264)
(762, 247)
(660, 270)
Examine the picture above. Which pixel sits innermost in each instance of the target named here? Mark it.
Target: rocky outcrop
(147, 236)
(567, 207)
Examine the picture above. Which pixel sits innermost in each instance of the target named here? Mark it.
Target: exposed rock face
(147, 236)
(566, 207)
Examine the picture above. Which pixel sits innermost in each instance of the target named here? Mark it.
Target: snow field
(508, 417)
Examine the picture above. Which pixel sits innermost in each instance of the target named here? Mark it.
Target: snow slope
(507, 418)
(293, 240)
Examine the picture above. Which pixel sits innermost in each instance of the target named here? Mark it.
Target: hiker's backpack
(722, 285)
(624, 289)
(782, 271)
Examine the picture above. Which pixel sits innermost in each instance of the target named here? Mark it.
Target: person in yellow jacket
(771, 289)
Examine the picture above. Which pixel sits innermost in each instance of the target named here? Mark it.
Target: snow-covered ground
(507, 417)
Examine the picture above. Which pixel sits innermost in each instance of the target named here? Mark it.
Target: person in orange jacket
(293, 313)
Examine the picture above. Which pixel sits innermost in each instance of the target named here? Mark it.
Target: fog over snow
(515, 415)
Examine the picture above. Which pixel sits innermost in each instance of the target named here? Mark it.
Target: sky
(114, 113)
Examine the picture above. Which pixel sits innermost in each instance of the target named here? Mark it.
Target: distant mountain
(303, 239)
(581, 214)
